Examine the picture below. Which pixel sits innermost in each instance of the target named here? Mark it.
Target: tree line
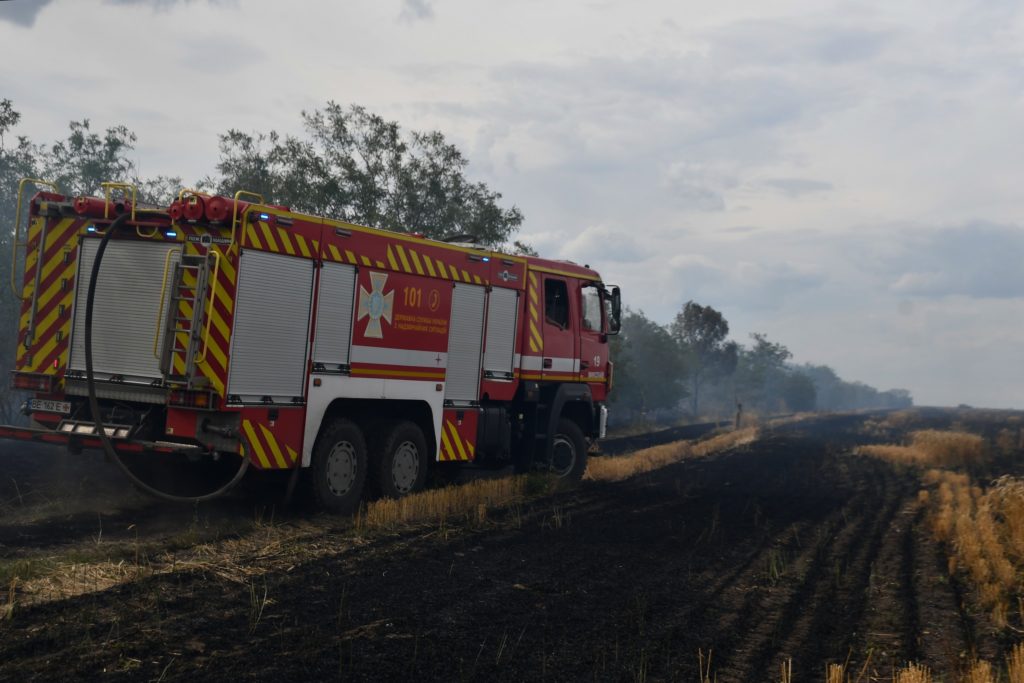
(691, 369)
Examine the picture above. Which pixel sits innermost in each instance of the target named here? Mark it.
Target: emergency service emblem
(375, 304)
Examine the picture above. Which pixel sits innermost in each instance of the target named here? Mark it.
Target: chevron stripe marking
(446, 447)
(416, 261)
(458, 441)
(268, 237)
(429, 265)
(402, 258)
(274, 447)
(255, 444)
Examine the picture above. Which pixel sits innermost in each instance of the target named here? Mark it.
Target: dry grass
(980, 672)
(836, 673)
(1015, 664)
(656, 457)
(913, 673)
(470, 500)
(932, 448)
(984, 531)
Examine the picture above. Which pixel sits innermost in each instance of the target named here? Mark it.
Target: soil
(790, 547)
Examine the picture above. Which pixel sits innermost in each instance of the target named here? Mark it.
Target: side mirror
(615, 308)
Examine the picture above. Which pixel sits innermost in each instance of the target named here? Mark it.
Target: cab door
(561, 329)
(593, 341)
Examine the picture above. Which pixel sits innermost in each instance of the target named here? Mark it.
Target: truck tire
(336, 475)
(568, 451)
(400, 459)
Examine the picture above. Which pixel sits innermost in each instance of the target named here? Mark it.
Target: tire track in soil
(801, 619)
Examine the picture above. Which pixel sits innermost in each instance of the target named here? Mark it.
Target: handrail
(191, 191)
(201, 358)
(17, 229)
(163, 296)
(234, 211)
(111, 185)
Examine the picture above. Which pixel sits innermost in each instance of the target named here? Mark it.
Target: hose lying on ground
(94, 403)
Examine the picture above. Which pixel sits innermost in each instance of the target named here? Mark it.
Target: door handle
(584, 365)
(547, 363)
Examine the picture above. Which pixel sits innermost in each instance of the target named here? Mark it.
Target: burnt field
(790, 547)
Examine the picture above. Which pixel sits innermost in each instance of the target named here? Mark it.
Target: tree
(85, 159)
(356, 166)
(760, 373)
(700, 332)
(798, 392)
(649, 371)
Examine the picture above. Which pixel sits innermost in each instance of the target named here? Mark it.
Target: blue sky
(845, 177)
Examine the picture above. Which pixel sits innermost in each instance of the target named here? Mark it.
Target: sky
(845, 177)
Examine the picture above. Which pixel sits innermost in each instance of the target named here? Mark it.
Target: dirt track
(790, 547)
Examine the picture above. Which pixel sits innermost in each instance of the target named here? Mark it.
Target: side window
(591, 309)
(556, 303)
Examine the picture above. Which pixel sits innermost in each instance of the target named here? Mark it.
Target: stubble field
(793, 546)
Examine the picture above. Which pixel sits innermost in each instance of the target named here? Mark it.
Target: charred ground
(790, 547)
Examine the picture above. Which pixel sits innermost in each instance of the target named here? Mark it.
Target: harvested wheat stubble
(656, 457)
(933, 448)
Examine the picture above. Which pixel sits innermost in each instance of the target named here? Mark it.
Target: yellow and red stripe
(267, 451)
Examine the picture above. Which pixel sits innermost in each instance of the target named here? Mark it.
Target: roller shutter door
(126, 318)
(465, 338)
(271, 330)
(502, 308)
(334, 315)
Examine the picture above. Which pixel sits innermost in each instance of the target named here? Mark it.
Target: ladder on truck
(185, 340)
(183, 335)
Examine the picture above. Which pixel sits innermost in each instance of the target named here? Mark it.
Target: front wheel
(568, 451)
(337, 469)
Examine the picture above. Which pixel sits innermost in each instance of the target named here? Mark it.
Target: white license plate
(47, 406)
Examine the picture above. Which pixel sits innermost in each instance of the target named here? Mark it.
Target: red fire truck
(222, 326)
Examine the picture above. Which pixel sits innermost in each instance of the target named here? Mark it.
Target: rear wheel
(337, 471)
(400, 460)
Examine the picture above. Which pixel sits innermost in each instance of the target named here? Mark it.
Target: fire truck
(226, 327)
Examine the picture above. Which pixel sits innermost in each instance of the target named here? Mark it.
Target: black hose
(94, 405)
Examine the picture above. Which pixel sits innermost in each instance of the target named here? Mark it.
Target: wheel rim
(563, 455)
(341, 468)
(405, 467)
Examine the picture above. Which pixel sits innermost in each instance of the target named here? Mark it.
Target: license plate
(45, 405)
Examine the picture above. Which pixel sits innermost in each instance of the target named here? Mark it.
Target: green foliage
(650, 373)
(700, 332)
(798, 392)
(85, 159)
(354, 165)
(761, 374)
